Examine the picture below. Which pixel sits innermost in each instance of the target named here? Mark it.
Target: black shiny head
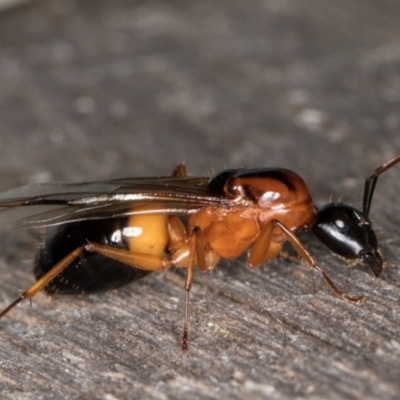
(346, 232)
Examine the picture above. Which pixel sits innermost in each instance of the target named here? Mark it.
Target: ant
(105, 235)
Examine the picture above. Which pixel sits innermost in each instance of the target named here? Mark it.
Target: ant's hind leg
(45, 279)
(143, 261)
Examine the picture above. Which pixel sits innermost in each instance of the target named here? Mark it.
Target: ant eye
(341, 221)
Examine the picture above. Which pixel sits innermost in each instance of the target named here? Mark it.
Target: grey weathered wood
(7, 4)
(93, 90)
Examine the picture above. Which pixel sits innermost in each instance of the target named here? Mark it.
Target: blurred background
(101, 89)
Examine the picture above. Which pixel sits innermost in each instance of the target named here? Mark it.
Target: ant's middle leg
(197, 255)
(179, 171)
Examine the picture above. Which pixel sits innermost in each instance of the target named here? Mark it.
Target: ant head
(347, 233)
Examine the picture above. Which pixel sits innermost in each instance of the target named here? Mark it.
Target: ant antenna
(371, 182)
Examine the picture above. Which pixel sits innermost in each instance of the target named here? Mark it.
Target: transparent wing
(55, 203)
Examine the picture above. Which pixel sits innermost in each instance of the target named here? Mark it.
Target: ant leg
(188, 286)
(264, 248)
(152, 263)
(196, 255)
(294, 258)
(45, 279)
(308, 258)
(145, 262)
(179, 171)
(371, 182)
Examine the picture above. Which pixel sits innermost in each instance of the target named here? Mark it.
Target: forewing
(50, 204)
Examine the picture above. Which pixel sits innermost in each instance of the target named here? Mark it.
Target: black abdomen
(89, 273)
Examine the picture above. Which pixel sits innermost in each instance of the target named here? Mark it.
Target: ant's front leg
(311, 262)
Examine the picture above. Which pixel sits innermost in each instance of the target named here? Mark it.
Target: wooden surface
(99, 89)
